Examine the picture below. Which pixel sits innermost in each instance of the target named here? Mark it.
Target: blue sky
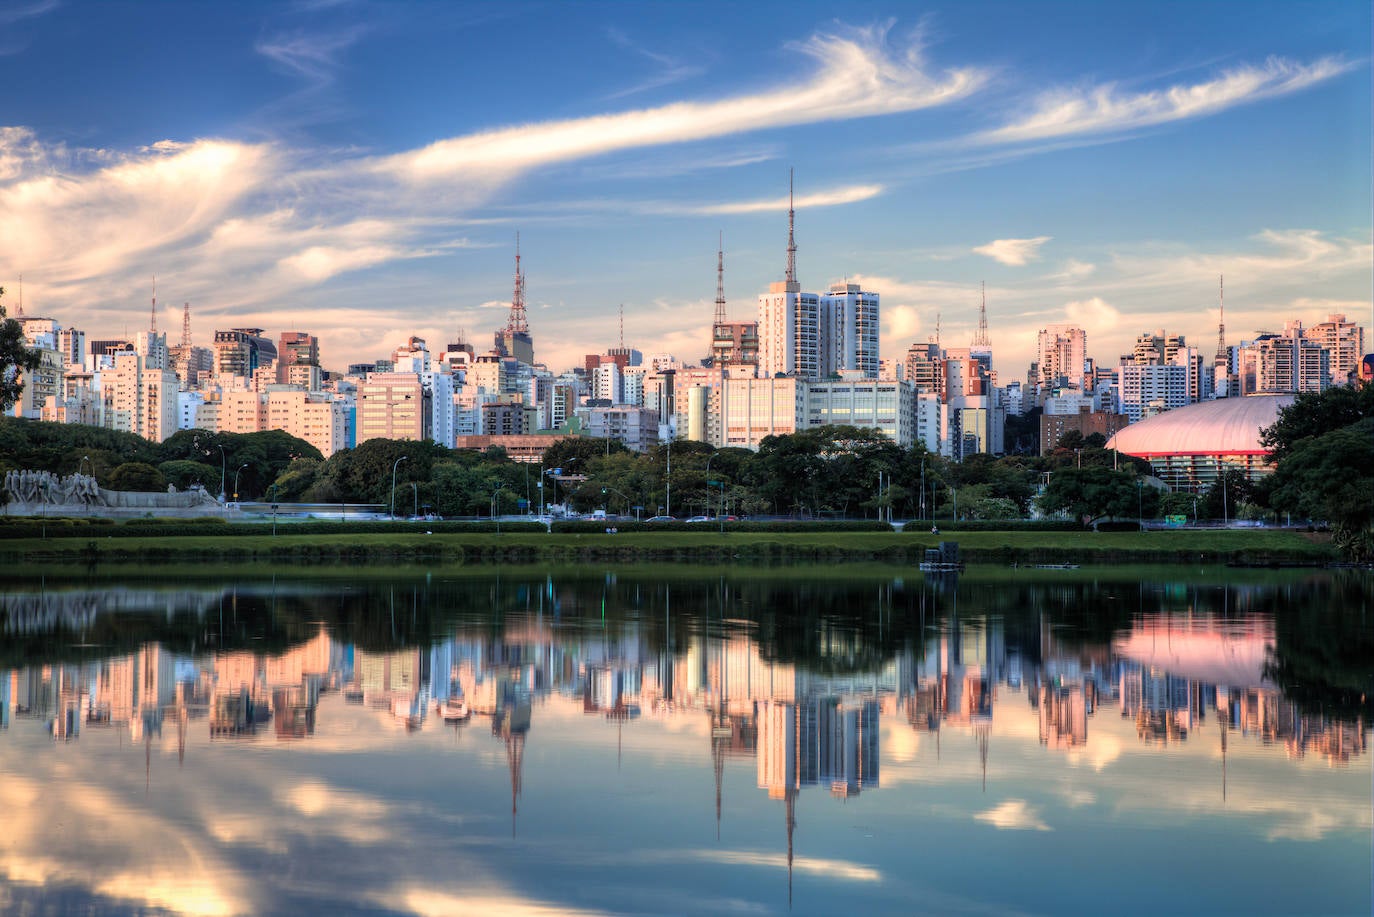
(360, 170)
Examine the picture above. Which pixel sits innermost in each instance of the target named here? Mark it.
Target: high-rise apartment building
(393, 406)
(298, 349)
(1062, 352)
(849, 339)
(139, 399)
(1344, 341)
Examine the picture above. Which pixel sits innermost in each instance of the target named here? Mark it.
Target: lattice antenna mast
(791, 237)
(20, 312)
(980, 337)
(186, 326)
(152, 315)
(517, 322)
(1222, 357)
(720, 280)
(937, 329)
(622, 326)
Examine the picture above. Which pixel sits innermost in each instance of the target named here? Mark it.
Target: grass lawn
(1175, 546)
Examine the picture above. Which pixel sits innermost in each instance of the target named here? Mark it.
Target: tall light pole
(709, 459)
(393, 483)
(221, 471)
(237, 471)
(414, 499)
(495, 501)
(668, 478)
(1140, 504)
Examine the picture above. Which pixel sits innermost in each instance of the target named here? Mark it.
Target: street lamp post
(1140, 504)
(237, 471)
(414, 499)
(495, 505)
(221, 471)
(393, 483)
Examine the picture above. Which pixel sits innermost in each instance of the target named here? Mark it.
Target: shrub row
(139, 528)
(622, 526)
(996, 525)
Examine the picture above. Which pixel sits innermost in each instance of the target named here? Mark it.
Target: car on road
(661, 519)
(700, 519)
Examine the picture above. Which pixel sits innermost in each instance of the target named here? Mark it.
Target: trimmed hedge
(623, 526)
(996, 525)
(142, 528)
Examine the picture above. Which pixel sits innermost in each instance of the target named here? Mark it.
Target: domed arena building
(1188, 446)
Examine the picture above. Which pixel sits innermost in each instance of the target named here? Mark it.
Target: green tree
(137, 476)
(15, 359)
(1093, 493)
(1314, 413)
(1331, 477)
(182, 473)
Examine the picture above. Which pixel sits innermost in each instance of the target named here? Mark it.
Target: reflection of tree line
(1323, 655)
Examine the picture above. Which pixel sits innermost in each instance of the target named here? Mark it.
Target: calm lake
(686, 740)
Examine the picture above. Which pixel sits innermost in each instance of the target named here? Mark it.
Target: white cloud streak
(1013, 252)
(1101, 110)
(856, 76)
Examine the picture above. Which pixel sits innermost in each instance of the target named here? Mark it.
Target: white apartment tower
(849, 331)
(789, 320)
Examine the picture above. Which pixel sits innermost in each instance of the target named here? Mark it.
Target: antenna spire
(937, 329)
(20, 312)
(791, 238)
(152, 315)
(186, 327)
(622, 326)
(1222, 358)
(720, 280)
(980, 337)
(517, 323)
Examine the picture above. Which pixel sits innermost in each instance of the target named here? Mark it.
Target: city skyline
(336, 168)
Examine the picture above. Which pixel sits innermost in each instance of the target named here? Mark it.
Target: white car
(700, 519)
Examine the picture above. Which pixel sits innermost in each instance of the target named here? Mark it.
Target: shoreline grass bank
(1238, 547)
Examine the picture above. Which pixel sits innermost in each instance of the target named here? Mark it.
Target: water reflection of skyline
(1170, 674)
(805, 737)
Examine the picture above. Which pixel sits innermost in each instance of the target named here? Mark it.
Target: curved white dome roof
(1224, 426)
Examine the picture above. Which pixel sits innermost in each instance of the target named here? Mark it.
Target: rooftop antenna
(622, 326)
(517, 323)
(186, 327)
(20, 312)
(1222, 357)
(980, 337)
(720, 280)
(937, 329)
(152, 314)
(791, 238)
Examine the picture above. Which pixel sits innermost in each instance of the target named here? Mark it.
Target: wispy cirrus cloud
(313, 56)
(849, 194)
(857, 75)
(1013, 252)
(670, 69)
(1104, 110)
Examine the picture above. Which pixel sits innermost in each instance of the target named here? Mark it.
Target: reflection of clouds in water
(88, 846)
(426, 902)
(1100, 751)
(1014, 815)
(831, 869)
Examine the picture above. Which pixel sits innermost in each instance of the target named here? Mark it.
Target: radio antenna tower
(517, 324)
(19, 313)
(622, 326)
(791, 238)
(937, 329)
(1222, 359)
(720, 280)
(186, 327)
(152, 314)
(980, 337)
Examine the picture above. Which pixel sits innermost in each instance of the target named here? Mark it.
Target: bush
(623, 526)
(995, 525)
